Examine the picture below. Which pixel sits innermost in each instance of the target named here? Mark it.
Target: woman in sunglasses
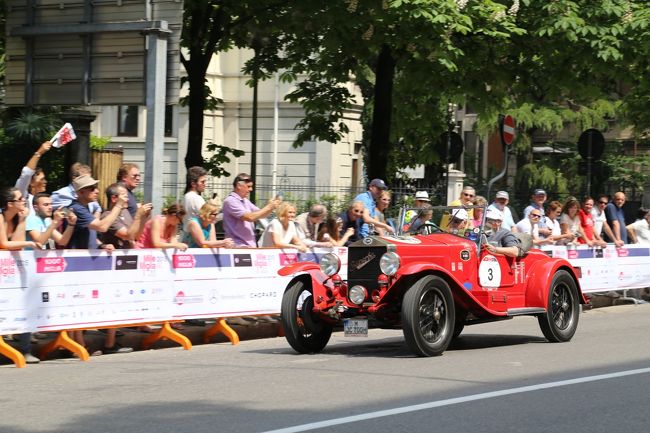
(12, 221)
(200, 229)
(162, 231)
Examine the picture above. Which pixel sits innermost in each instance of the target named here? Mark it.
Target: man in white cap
(500, 202)
(499, 240)
(369, 199)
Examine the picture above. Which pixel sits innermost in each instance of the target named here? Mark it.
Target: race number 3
(489, 272)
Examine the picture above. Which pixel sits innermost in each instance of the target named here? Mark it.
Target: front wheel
(304, 330)
(428, 316)
(560, 321)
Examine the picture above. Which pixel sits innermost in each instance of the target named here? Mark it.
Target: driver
(423, 217)
(499, 241)
(458, 221)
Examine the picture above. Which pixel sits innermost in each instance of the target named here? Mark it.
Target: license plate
(355, 327)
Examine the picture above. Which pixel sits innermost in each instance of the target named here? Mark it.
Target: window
(127, 121)
(169, 120)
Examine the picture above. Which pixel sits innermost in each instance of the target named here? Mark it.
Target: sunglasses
(21, 198)
(603, 202)
(468, 195)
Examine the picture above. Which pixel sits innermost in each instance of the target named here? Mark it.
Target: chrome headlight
(389, 263)
(330, 264)
(357, 294)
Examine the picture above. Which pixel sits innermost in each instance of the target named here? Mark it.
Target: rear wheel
(304, 330)
(560, 321)
(428, 316)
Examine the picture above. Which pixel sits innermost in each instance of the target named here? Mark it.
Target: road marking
(457, 400)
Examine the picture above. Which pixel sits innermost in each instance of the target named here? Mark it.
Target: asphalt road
(499, 377)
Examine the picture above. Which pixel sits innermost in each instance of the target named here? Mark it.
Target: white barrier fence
(68, 289)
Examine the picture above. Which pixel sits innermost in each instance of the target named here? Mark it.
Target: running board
(525, 311)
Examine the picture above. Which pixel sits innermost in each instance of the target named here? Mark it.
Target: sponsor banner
(15, 267)
(67, 289)
(85, 289)
(609, 268)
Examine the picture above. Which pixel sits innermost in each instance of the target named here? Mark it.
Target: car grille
(363, 265)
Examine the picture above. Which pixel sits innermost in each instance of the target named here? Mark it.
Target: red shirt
(587, 223)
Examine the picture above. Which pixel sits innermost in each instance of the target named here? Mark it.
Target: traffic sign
(508, 131)
(591, 144)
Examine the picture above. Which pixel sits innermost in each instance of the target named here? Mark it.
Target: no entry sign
(508, 131)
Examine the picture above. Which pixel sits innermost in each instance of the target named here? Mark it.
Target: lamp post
(256, 45)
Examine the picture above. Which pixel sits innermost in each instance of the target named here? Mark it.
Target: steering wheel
(427, 228)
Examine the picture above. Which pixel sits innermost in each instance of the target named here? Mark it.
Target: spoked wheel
(304, 331)
(428, 316)
(560, 321)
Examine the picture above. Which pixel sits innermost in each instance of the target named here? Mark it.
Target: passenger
(424, 215)
(499, 241)
(479, 200)
(282, 232)
(201, 232)
(421, 200)
(458, 221)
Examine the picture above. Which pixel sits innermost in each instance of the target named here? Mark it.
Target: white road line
(457, 400)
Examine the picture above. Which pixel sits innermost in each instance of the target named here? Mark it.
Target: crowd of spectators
(71, 217)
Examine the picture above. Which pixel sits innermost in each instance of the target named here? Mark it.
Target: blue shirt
(189, 240)
(82, 236)
(347, 223)
(369, 203)
(614, 213)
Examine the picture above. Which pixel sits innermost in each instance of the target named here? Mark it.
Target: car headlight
(357, 294)
(389, 263)
(330, 264)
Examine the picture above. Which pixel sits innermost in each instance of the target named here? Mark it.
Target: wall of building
(315, 164)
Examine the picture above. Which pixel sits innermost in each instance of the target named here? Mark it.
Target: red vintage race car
(432, 282)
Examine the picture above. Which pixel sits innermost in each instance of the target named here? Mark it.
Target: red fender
(539, 278)
(298, 267)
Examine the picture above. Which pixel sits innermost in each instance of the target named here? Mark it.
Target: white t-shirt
(642, 231)
(554, 225)
(192, 203)
(275, 226)
(574, 224)
(599, 218)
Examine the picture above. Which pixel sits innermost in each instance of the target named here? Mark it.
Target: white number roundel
(489, 272)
